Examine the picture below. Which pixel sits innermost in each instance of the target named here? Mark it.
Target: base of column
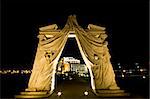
(35, 95)
(111, 93)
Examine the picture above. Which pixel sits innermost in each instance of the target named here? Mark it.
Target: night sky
(126, 23)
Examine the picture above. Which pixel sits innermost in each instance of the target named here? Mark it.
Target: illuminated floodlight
(59, 93)
(137, 66)
(86, 93)
(119, 66)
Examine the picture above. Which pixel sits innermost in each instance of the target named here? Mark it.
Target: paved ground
(73, 89)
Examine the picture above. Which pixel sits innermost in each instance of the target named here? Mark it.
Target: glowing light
(119, 66)
(63, 78)
(70, 78)
(86, 93)
(130, 72)
(71, 35)
(96, 57)
(54, 69)
(144, 77)
(138, 67)
(118, 63)
(124, 70)
(81, 74)
(136, 63)
(59, 94)
(122, 75)
(88, 63)
(141, 70)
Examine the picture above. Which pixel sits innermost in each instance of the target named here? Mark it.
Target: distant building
(82, 70)
(71, 60)
(67, 64)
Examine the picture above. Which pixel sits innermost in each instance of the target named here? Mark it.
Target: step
(110, 91)
(33, 93)
(113, 95)
(31, 96)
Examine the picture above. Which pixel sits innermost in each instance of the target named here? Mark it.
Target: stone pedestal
(33, 95)
(111, 93)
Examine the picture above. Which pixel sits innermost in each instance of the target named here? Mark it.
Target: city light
(144, 77)
(70, 78)
(122, 75)
(137, 66)
(118, 63)
(130, 72)
(136, 63)
(124, 70)
(82, 71)
(15, 72)
(141, 70)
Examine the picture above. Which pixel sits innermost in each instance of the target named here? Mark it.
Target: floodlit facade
(71, 60)
(67, 64)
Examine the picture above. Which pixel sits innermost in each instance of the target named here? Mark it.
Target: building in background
(71, 65)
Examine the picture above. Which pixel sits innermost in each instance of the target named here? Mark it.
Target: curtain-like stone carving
(93, 48)
(45, 61)
(96, 51)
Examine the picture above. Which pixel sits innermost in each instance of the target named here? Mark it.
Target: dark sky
(126, 23)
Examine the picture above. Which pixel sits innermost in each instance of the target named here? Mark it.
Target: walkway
(73, 89)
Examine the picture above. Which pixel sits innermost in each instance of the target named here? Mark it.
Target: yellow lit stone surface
(93, 48)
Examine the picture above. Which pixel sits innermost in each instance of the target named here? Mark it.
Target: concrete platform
(111, 93)
(32, 95)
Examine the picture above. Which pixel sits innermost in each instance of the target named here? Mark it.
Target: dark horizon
(126, 25)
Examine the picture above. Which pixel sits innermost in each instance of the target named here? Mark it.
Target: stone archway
(92, 46)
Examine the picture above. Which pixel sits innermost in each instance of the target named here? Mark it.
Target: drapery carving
(93, 48)
(96, 51)
(45, 61)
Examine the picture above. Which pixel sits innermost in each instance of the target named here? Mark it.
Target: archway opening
(72, 72)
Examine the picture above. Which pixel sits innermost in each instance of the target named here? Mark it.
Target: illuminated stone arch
(92, 46)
